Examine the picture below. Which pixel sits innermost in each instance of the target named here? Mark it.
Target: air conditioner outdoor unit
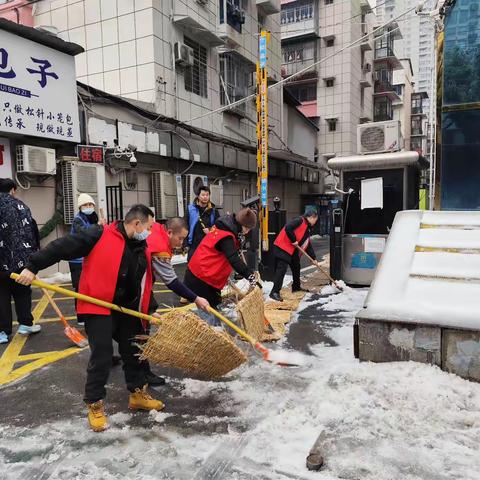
(191, 187)
(367, 67)
(164, 195)
(36, 160)
(183, 54)
(375, 76)
(80, 177)
(216, 195)
(379, 137)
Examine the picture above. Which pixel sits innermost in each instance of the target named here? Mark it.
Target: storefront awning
(378, 161)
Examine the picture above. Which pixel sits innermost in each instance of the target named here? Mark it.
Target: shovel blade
(75, 337)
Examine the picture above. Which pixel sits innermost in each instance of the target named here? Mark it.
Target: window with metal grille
(304, 92)
(196, 75)
(235, 79)
(328, 2)
(330, 42)
(329, 82)
(332, 124)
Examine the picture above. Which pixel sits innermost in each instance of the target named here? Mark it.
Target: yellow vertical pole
(262, 137)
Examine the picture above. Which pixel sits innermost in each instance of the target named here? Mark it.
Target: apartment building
(337, 93)
(418, 39)
(186, 57)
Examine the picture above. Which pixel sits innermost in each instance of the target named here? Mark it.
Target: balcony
(418, 132)
(386, 89)
(386, 56)
(296, 57)
(299, 21)
(418, 111)
(269, 6)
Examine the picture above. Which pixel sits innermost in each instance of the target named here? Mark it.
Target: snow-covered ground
(399, 421)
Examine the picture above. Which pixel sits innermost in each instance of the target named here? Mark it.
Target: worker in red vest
(161, 243)
(117, 269)
(218, 255)
(294, 233)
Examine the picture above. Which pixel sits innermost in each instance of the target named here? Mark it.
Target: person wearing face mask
(116, 268)
(218, 255)
(85, 218)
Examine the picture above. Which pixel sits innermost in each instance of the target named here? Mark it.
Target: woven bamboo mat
(186, 342)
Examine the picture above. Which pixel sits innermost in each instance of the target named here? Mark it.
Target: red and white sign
(5, 159)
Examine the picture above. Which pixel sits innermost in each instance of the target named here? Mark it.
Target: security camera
(133, 160)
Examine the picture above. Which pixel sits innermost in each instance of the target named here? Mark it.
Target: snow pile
(376, 422)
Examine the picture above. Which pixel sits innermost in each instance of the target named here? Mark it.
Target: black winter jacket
(19, 237)
(227, 245)
(132, 266)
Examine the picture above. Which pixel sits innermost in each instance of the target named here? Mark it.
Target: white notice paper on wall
(374, 244)
(372, 193)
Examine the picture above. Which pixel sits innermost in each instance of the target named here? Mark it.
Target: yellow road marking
(50, 320)
(11, 355)
(50, 357)
(162, 291)
(470, 251)
(34, 356)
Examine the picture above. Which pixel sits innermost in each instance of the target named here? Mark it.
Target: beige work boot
(142, 400)
(96, 416)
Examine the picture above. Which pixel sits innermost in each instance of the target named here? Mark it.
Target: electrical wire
(303, 70)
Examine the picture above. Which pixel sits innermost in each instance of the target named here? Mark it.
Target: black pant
(22, 297)
(202, 289)
(282, 262)
(101, 329)
(75, 272)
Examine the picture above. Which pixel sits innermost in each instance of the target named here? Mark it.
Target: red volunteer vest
(100, 273)
(283, 242)
(158, 242)
(210, 265)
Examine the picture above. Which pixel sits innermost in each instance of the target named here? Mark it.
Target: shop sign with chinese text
(90, 153)
(38, 90)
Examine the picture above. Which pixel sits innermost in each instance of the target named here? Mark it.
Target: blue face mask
(141, 236)
(88, 211)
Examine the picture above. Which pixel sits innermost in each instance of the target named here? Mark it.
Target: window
(328, 2)
(235, 79)
(196, 74)
(329, 82)
(235, 13)
(417, 126)
(417, 105)
(382, 109)
(304, 92)
(332, 124)
(299, 12)
(330, 42)
(384, 47)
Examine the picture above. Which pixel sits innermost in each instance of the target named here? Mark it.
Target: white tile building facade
(130, 52)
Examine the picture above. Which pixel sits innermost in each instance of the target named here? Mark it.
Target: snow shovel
(283, 358)
(337, 285)
(71, 332)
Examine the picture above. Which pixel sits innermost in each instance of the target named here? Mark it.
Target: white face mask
(88, 211)
(141, 236)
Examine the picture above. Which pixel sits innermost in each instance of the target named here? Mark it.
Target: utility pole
(262, 138)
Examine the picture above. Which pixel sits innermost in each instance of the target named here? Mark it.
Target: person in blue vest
(201, 216)
(84, 219)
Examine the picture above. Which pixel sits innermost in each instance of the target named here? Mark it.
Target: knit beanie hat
(84, 198)
(246, 217)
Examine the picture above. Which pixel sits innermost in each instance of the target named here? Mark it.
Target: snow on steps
(429, 272)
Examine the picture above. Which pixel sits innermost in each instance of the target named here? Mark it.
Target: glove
(252, 279)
